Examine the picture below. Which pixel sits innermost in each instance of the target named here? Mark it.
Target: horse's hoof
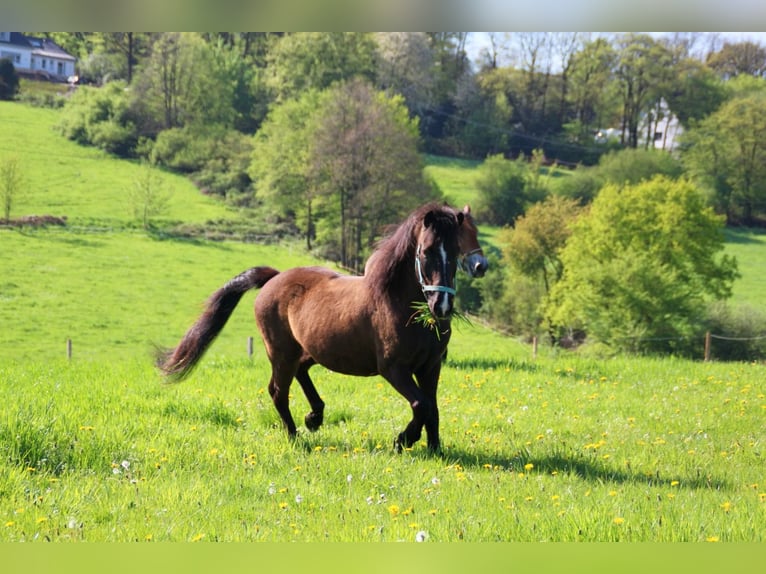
(313, 420)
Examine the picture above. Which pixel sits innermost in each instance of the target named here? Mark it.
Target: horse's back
(322, 314)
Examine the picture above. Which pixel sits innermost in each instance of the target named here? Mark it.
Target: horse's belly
(342, 351)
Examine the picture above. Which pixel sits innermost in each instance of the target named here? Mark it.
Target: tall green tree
(640, 266)
(316, 60)
(364, 159)
(280, 166)
(727, 151)
(644, 68)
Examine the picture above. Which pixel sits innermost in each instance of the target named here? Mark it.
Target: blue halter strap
(421, 280)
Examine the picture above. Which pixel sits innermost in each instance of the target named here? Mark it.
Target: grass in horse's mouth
(424, 316)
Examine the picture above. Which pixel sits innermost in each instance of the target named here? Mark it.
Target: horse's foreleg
(422, 409)
(428, 384)
(315, 417)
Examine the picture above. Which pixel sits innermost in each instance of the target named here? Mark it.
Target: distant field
(84, 184)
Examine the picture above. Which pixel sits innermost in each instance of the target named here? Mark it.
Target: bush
(740, 332)
(101, 117)
(9, 80)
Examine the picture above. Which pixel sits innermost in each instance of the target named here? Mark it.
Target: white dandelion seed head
(421, 536)
(369, 500)
(435, 480)
(349, 478)
(125, 464)
(298, 498)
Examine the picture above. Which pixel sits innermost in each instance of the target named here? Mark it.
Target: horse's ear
(460, 218)
(467, 209)
(429, 219)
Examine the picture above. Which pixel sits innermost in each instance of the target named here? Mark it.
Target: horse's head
(436, 258)
(472, 258)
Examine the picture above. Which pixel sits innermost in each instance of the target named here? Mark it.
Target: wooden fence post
(534, 347)
(250, 347)
(69, 349)
(707, 346)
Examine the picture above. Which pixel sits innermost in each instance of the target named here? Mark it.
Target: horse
(472, 259)
(354, 325)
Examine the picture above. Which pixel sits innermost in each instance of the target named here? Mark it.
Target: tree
(364, 159)
(501, 190)
(280, 160)
(182, 83)
(405, 65)
(727, 152)
(9, 80)
(306, 60)
(532, 249)
(11, 182)
(640, 265)
(146, 196)
(741, 58)
(643, 71)
(591, 90)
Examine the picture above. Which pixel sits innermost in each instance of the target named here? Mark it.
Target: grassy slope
(84, 184)
(565, 448)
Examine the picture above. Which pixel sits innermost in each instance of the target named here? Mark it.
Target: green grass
(84, 184)
(115, 294)
(559, 449)
(749, 246)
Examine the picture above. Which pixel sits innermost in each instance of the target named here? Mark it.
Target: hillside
(114, 290)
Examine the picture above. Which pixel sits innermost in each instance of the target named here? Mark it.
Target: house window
(60, 68)
(43, 64)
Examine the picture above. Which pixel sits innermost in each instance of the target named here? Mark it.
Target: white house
(39, 57)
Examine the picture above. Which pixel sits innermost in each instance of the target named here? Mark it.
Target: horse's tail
(179, 362)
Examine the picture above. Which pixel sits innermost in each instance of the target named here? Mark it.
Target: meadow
(560, 447)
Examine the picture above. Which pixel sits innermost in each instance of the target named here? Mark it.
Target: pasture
(558, 448)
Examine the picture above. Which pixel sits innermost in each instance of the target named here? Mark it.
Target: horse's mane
(394, 252)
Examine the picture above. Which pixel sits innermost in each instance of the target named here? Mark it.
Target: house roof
(39, 46)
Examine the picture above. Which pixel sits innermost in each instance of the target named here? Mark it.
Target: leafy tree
(364, 159)
(740, 58)
(696, 92)
(405, 66)
(532, 250)
(11, 182)
(643, 72)
(147, 197)
(9, 80)
(306, 60)
(727, 152)
(640, 265)
(501, 186)
(280, 160)
(181, 84)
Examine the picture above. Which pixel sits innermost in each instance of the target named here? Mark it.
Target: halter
(421, 280)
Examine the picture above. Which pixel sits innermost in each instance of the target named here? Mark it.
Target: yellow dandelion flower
(407, 511)
(213, 451)
(148, 538)
(726, 506)
(9, 523)
(612, 493)
(283, 505)
(393, 510)
(198, 537)
(529, 466)
(618, 520)
(41, 520)
(712, 539)
(674, 483)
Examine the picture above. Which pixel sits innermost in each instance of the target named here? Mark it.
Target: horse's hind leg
(315, 417)
(279, 389)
